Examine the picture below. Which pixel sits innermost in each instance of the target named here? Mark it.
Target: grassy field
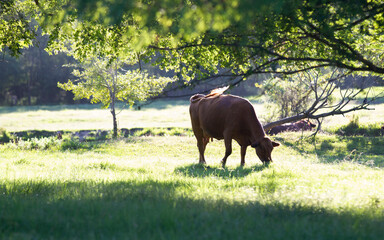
(86, 116)
(158, 114)
(330, 187)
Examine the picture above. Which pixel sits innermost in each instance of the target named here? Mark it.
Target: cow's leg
(243, 151)
(206, 141)
(228, 149)
(201, 144)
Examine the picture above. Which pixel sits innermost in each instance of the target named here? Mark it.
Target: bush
(4, 136)
(286, 97)
(48, 143)
(29, 134)
(69, 144)
(174, 131)
(35, 143)
(354, 128)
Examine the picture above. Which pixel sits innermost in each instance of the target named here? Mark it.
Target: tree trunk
(270, 125)
(113, 112)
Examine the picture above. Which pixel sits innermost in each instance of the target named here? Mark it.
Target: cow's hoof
(267, 164)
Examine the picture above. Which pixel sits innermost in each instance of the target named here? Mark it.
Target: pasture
(150, 187)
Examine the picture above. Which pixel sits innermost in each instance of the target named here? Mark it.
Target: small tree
(104, 80)
(314, 94)
(286, 97)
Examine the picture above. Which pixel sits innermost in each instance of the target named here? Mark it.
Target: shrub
(35, 143)
(286, 97)
(174, 131)
(69, 144)
(354, 128)
(4, 136)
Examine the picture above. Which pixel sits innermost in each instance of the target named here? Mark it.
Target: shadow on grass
(152, 209)
(202, 171)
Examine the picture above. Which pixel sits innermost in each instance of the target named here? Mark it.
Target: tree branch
(321, 102)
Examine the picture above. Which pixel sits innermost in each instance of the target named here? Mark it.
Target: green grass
(152, 188)
(86, 116)
(163, 114)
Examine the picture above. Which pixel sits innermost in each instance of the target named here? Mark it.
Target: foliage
(203, 40)
(16, 29)
(173, 131)
(245, 36)
(74, 144)
(354, 128)
(196, 37)
(313, 94)
(49, 143)
(29, 134)
(286, 97)
(100, 81)
(104, 80)
(44, 140)
(44, 143)
(4, 136)
(32, 77)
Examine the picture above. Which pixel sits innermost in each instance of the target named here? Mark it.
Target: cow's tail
(196, 98)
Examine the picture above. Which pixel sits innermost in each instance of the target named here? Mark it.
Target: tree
(107, 71)
(244, 36)
(250, 37)
(16, 30)
(32, 77)
(104, 80)
(201, 40)
(316, 94)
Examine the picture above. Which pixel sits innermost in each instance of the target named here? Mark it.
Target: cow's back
(226, 113)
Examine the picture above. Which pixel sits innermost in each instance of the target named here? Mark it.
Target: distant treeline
(32, 78)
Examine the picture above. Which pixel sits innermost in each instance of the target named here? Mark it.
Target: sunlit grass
(86, 116)
(158, 114)
(330, 187)
(69, 117)
(144, 186)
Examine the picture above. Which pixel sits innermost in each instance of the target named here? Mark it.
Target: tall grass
(152, 188)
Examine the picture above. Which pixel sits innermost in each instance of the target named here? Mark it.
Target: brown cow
(304, 125)
(228, 117)
(293, 127)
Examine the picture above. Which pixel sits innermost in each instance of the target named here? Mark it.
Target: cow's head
(311, 125)
(304, 124)
(264, 149)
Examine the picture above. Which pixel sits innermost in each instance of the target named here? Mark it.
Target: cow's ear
(255, 145)
(275, 144)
